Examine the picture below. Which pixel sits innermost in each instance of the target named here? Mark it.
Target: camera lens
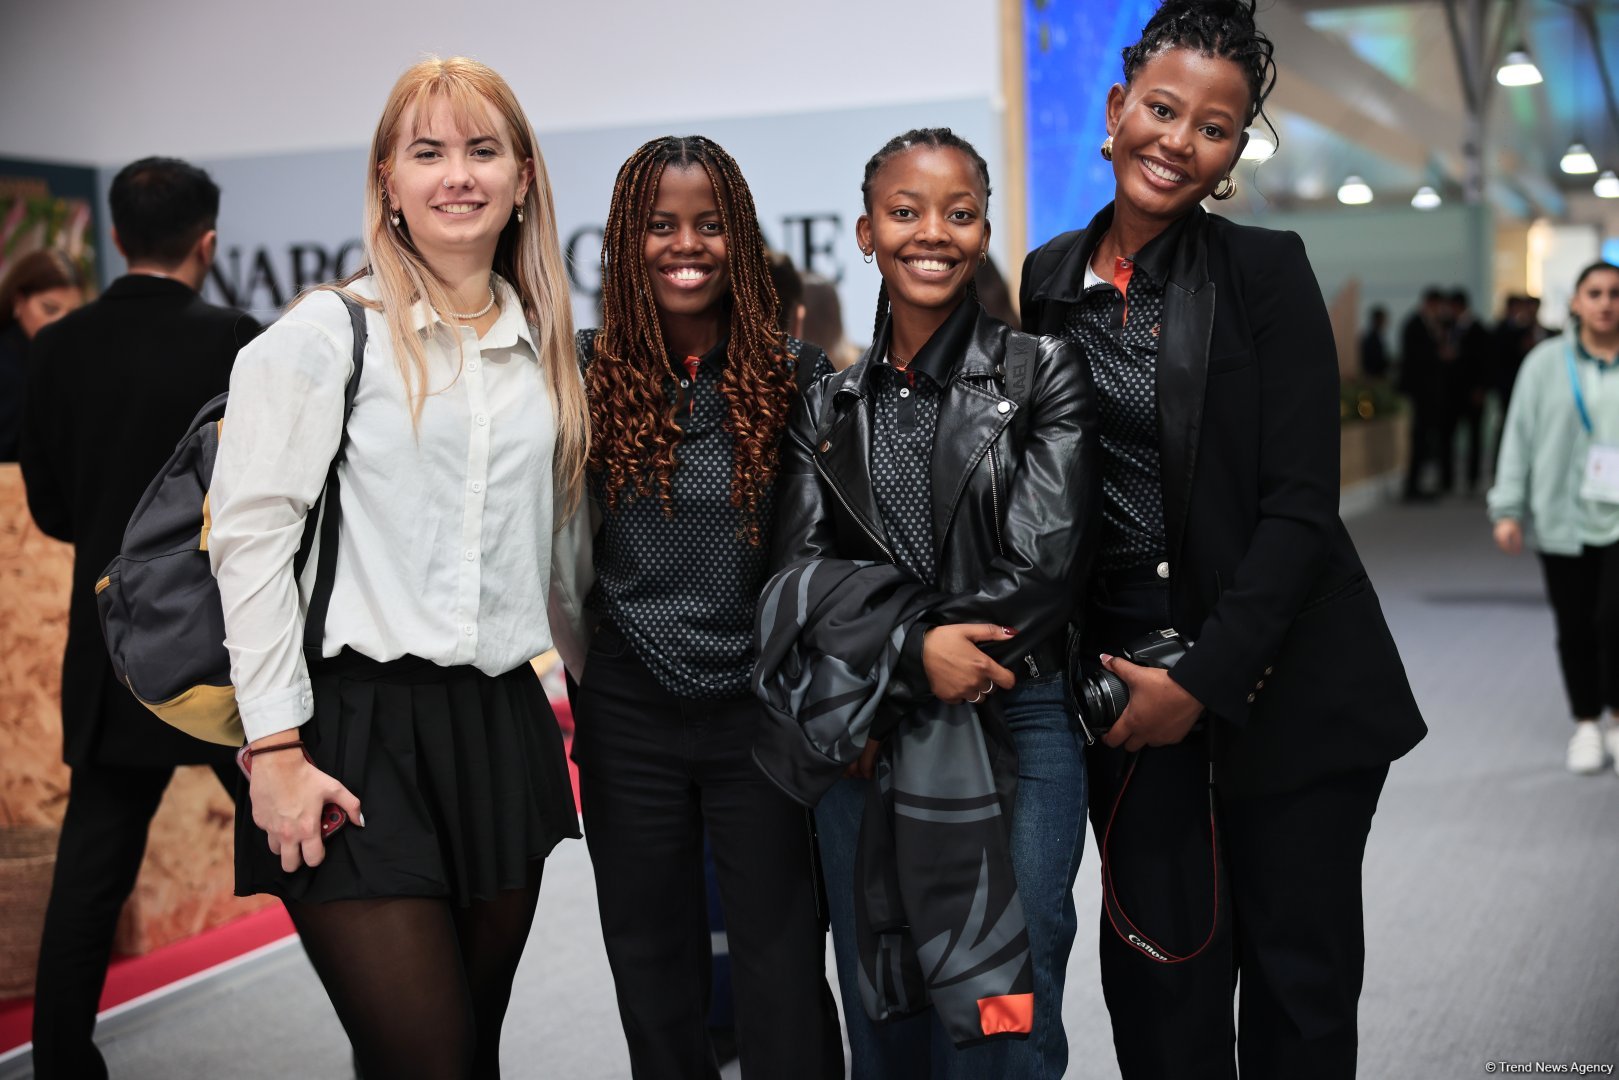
(1102, 697)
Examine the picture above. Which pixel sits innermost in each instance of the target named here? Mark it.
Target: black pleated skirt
(461, 776)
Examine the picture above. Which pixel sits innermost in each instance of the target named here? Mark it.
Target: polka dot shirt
(682, 589)
(904, 416)
(1118, 331)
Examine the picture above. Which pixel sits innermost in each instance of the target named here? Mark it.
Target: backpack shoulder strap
(807, 358)
(1017, 379)
(328, 511)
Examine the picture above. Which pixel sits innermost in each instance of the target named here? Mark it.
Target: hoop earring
(1107, 148)
(869, 257)
(519, 215)
(1226, 188)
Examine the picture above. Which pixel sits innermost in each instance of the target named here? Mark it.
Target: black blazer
(1292, 657)
(111, 389)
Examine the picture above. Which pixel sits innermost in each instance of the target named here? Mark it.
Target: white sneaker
(1586, 754)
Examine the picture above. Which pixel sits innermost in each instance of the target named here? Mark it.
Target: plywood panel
(186, 882)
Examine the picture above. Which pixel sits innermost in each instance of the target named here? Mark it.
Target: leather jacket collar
(972, 415)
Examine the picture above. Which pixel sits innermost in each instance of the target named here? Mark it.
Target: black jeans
(109, 810)
(656, 771)
(1290, 925)
(1584, 593)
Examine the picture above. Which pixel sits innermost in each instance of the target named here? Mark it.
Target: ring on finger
(976, 698)
(988, 689)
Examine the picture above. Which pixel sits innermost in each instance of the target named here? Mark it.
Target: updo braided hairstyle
(634, 434)
(1222, 28)
(936, 138)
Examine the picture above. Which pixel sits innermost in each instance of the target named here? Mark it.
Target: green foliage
(1368, 399)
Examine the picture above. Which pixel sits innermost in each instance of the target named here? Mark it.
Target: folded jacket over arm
(938, 915)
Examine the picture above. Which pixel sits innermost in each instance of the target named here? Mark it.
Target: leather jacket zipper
(995, 496)
(870, 533)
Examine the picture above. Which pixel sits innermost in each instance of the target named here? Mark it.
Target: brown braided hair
(633, 430)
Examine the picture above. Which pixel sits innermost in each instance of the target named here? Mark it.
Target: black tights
(421, 986)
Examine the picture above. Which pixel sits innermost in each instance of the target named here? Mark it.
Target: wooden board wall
(185, 883)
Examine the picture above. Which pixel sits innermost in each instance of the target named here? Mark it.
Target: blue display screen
(1072, 52)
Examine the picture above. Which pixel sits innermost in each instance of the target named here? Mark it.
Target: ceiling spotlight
(1259, 148)
(1354, 192)
(1607, 185)
(1426, 198)
(1517, 69)
(1577, 159)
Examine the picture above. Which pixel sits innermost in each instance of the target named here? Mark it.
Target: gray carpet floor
(1492, 879)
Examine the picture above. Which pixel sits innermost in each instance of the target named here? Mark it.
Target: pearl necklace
(480, 313)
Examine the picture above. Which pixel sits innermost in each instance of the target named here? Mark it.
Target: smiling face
(685, 244)
(1596, 303)
(1177, 130)
(926, 226)
(39, 310)
(456, 180)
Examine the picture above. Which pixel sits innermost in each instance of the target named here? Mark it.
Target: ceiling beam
(1321, 78)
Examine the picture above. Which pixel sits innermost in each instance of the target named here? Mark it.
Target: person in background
(39, 288)
(789, 285)
(690, 380)
(1557, 472)
(1467, 380)
(823, 321)
(1419, 381)
(1518, 332)
(460, 550)
(993, 292)
(111, 388)
(1270, 738)
(1374, 354)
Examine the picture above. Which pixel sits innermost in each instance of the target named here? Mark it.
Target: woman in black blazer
(1216, 375)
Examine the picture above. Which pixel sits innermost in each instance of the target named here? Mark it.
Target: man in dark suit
(1420, 361)
(111, 389)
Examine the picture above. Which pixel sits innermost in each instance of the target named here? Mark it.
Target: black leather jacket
(1015, 488)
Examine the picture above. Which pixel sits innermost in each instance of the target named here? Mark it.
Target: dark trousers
(1289, 930)
(1584, 594)
(1287, 923)
(656, 771)
(1426, 442)
(109, 810)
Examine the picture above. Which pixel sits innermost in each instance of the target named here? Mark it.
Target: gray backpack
(159, 604)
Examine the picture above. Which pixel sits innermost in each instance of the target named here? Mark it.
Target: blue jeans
(1048, 839)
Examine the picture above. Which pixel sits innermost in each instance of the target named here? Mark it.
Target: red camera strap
(1127, 930)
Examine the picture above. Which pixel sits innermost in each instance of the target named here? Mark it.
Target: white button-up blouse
(446, 548)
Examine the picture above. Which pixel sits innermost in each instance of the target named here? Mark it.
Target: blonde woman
(459, 485)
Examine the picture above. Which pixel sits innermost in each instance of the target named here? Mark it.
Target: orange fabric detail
(1006, 1013)
(1122, 271)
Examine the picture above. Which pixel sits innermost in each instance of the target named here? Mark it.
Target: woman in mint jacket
(1559, 464)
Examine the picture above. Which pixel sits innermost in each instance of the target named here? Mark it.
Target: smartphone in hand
(332, 816)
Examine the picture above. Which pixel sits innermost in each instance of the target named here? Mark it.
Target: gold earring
(1226, 188)
(983, 257)
(1107, 148)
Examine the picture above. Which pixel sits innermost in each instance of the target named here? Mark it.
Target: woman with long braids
(690, 383)
(960, 451)
(1213, 359)
(457, 500)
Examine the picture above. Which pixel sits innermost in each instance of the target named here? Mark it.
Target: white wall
(103, 82)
